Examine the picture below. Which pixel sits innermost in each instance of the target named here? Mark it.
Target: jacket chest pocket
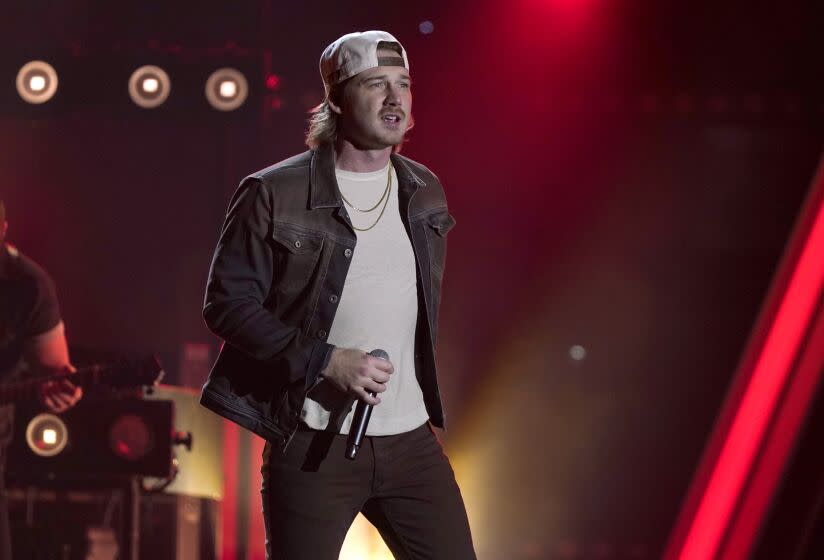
(296, 258)
(437, 226)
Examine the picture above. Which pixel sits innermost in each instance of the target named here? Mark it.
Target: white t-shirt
(377, 309)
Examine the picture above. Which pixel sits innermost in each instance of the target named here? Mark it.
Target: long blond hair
(323, 125)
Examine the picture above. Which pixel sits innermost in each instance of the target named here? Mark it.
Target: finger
(63, 400)
(367, 398)
(374, 386)
(54, 405)
(70, 391)
(67, 386)
(381, 377)
(49, 392)
(381, 364)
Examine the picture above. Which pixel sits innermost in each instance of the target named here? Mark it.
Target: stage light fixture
(149, 86)
(130, 437)
(36, 82)
(226, 89)
(577, 352)
(46, 435)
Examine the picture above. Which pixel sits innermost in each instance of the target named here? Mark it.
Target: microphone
(360, 420)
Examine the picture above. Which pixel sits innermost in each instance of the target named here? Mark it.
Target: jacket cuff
(318, 361)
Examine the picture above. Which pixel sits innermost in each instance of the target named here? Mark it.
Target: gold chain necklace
(388, 179)
(384, 198)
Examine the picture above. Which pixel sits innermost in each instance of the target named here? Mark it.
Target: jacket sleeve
(239, 282)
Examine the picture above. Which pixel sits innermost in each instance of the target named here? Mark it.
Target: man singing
(324, 257)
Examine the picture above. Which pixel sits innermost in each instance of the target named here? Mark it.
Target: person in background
(32, 342)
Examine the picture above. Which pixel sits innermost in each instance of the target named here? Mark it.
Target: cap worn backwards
(355, 52)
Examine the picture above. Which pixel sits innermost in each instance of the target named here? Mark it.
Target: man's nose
(393, 97)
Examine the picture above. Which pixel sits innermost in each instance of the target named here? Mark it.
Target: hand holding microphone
(360, 420)
(358, 374)
(361, 375)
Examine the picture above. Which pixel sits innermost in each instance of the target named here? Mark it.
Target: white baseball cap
(355, 52)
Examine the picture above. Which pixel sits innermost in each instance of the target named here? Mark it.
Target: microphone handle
(360, 419)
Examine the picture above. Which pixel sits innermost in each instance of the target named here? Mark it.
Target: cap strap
(391, 61)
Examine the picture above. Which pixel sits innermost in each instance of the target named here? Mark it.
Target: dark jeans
(403, 484)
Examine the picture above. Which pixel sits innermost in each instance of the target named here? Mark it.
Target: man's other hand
(59, 396)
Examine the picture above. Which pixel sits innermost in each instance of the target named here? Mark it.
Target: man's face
(376, 106)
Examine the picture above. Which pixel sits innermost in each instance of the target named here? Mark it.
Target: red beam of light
(782, 438)
(769, 376)
(257, 532)
(228, 507)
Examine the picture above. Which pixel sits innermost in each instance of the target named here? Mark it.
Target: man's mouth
(391, 118)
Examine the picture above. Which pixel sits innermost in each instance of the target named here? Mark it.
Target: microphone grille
(378, 353)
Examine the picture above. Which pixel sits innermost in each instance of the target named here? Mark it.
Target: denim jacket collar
(324, 192)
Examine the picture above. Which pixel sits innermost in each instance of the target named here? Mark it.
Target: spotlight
(426, 27)
(46, 435)
(226, 89)
(149, 86)
(37, 82)
(577, 352)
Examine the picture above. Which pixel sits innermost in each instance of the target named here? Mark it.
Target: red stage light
(272, 81)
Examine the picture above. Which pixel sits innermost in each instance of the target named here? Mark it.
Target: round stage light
(46, 435)
(37, 82)
(149, 86)
(226, 89)
(577, 352)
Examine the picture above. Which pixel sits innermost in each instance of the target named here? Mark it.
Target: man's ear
(334, 106)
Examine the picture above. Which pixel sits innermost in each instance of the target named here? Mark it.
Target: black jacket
(276, 277)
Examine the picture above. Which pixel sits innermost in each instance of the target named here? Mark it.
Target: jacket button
(347, 253)
(321, 334)
(297, 243)
(333, 298)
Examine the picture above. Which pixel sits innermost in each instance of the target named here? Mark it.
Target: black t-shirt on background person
(28, 308)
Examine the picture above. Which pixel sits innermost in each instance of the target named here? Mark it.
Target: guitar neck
(128, 376)
(29, 389)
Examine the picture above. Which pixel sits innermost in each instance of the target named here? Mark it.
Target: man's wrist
(326, 365)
